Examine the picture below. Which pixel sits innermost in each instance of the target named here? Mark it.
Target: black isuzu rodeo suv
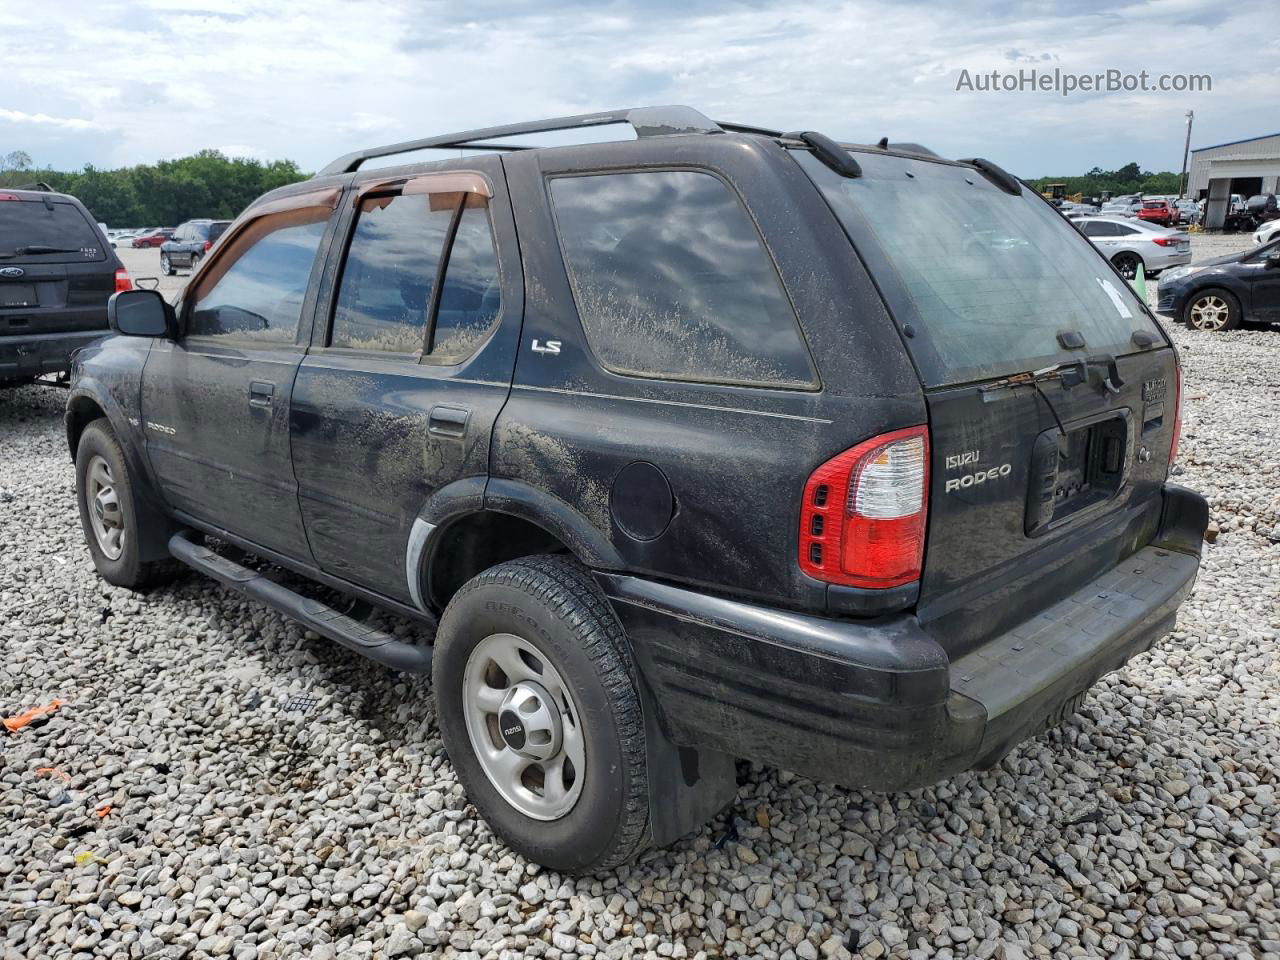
(715, 442)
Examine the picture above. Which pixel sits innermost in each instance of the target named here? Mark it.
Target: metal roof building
(1246, 167)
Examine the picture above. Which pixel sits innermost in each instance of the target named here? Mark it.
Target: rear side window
(672, 281)
(56, 231)
(256, 288)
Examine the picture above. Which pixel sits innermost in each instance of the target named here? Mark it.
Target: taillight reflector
(122, 280)
(863, 519)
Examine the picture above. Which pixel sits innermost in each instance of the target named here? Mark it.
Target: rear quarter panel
(735, 458)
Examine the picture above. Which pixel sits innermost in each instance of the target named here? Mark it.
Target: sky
(115, 83)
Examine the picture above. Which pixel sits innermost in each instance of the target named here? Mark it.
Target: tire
(1127, 264)
(547, 620)
(195, 262)
(102, 479)
(1212, 310)
(166, 266)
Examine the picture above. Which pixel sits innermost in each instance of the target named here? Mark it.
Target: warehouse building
(1245, 167)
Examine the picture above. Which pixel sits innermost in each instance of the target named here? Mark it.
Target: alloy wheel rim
(1210, 313)
(103, 502)
(524, 726)
(1128, 268)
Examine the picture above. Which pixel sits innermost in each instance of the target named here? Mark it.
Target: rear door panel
(374, 434)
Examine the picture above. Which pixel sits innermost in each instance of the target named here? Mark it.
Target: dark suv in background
(189, 243)
(57, 271)
(716, 442)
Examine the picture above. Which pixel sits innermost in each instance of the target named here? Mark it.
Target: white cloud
(67, 123)
(131, 82)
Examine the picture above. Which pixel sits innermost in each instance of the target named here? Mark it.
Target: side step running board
(317, 616)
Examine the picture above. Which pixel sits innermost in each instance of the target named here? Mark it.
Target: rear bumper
(1168, 260)
(30, 355)
(878, 704)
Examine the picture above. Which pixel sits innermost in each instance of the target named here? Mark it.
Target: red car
(1159, 211)
(153, 238)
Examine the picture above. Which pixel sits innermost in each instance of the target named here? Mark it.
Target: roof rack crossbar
(646, 121)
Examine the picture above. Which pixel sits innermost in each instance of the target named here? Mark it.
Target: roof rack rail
(730, 127)
(997, 175)
(646, 121)
(39, 185)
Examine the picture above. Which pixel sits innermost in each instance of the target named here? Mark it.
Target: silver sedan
(1128, 243)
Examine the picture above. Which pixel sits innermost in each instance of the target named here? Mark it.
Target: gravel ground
(208, 812)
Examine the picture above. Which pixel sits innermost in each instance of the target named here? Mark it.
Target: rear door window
(471, 297)
(672, 280)
(57, 225)
(384, 298)
(387, 300)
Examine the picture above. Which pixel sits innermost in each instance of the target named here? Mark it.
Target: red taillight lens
(863, 519)
(1177, 411)
(207, 245)
(9, 196)
(1165, 241)
(122, 280)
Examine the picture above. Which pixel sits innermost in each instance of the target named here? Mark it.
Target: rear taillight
(122, 280)
(1177, 411)
(1165, 241)
(863, 519)
(9, 196)
(207, 245)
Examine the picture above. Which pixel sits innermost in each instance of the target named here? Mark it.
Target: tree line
(1128, 179)
(163, 194)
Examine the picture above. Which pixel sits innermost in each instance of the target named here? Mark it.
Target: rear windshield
(58, 225)
(986, 280)
(212, 231)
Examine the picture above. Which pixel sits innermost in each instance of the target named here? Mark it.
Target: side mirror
(1272, 262)
(141, 313)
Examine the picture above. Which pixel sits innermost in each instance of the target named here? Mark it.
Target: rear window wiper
(1071, 373)
(37, 248)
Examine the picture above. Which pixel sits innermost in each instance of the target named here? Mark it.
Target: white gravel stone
(1145, 826)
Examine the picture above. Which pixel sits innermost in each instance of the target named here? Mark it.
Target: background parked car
(56, 275)
(1267, 232)
(1121, 207)
(1161, 212)
(153, 238)
(1127, 243)
(1224, 292)
(1188, 210)
(189, 243)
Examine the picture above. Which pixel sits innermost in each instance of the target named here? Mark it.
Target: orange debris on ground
(55, 771)
(16, 723)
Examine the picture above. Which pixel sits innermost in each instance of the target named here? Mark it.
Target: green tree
(206, 184)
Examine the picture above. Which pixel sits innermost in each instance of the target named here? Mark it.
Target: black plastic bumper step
(322, 618)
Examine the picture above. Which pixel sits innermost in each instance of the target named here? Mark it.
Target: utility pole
(1186, 148)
